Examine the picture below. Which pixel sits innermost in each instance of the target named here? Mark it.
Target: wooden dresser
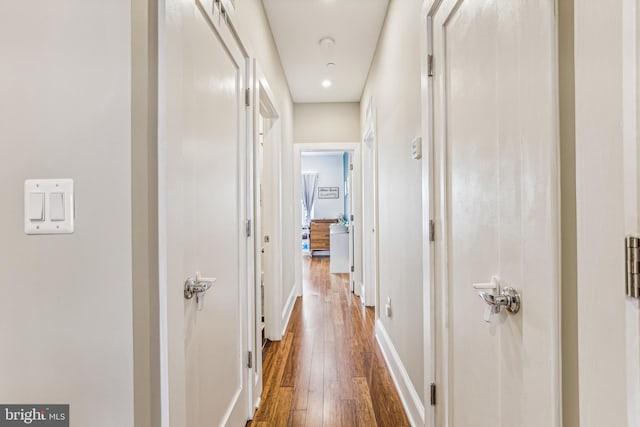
(319, 234)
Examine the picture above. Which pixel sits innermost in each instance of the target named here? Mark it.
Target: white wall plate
(48, 206)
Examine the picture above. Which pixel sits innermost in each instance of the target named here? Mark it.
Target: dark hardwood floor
(328, 370)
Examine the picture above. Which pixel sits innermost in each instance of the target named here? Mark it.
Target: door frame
(435, 258)
(631, 199)
(262, 104)
(430, 324)
(356, 192)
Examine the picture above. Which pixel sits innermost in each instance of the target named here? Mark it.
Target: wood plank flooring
(328, 371)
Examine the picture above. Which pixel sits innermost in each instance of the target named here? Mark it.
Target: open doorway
(326, 206)
(327, 183)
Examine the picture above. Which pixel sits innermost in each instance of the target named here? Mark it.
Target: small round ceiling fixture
(331, 65)
(326, 83)
(327, 42)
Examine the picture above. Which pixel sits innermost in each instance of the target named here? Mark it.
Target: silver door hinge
(353, 269)
(351, 167)
(430, 65)
(250, 360)
(352, 217)
(433, 394)
(632, 266)
(247, 97)
(432, 230)
(248, 229)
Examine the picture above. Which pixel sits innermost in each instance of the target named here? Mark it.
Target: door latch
(497, 298)
(198, 286)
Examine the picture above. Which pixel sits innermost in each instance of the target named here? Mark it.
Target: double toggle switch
(48, 206)
(38, 202)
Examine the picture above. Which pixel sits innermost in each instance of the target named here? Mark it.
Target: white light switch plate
(416, 148)
(47, 187)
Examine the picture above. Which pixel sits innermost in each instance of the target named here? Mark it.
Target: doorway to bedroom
(327, 230)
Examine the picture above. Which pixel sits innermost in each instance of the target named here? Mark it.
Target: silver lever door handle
(508, 298)
(197, 286)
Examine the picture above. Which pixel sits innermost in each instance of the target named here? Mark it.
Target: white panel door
(205, 211)
(496, 150)
(369, 214)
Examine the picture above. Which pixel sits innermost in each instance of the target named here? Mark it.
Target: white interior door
(270, 233)
(204, 197)
(369, 214)
(352, 226)
(495, 129)
(258, 308)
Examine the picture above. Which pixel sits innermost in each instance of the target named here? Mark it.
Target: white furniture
(339, 255)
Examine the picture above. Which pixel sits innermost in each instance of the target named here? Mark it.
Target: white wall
(326, 122)
(394, 87)
(600, 185)
(66, 300)
(330, 169)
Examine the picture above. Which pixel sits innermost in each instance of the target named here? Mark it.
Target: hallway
(328, 370)
(152, 223)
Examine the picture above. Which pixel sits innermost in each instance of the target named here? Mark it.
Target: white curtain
(309, 182)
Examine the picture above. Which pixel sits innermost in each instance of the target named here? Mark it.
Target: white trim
(262, 102)
(556, 364)
(288, 309)
(163, 282)
(408, 394)
(629, 114)
(630, 81)
(428, 214)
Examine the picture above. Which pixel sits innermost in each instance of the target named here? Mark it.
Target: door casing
(262, 109)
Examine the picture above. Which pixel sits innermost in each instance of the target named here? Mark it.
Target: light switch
(56, 207)
(49, 206)
(36, 206)
(416, 148)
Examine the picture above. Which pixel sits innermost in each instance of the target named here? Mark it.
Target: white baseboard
(408, 395)
(358, 289)
(288, 309)
(255, 407)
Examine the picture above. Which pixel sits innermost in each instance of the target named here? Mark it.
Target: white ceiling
(298, 26)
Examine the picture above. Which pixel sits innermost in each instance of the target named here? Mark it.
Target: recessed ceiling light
(327, 42)
(331, 65)
(326, 83)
